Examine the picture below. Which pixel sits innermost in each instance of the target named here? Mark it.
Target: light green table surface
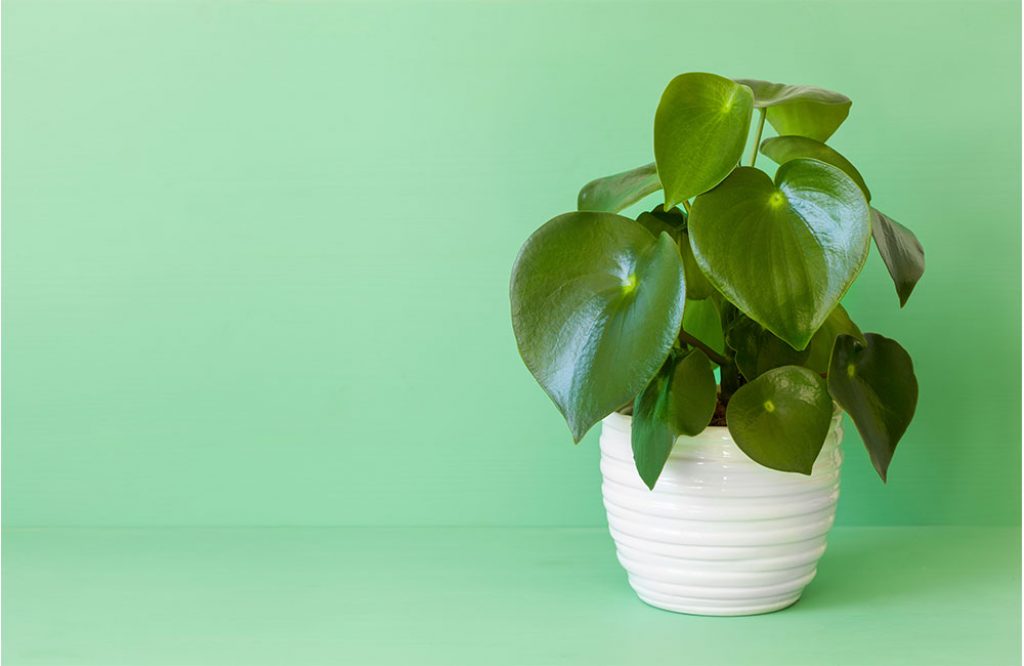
(292, 596)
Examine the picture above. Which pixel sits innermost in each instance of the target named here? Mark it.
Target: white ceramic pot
(719, 534)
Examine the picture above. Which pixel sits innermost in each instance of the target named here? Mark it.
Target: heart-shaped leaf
(874, 382)
(782, 149)
(702, 320)
(781, 419)
(597, 302)
(901, 252)
(838, 323)
(784, 253)
(680, 400)
(700, 129)
(613, 193)
(801, 110)
(758, 350)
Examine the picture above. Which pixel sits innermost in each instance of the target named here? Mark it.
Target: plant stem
(757, 141)
(712, 354)
(686, 205)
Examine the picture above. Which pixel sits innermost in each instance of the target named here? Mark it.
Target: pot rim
(837, 412)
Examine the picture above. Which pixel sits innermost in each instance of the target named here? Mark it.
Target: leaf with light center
(781, 419)
(597, 302)
(874, 382)
(785, 252)
(700, 129)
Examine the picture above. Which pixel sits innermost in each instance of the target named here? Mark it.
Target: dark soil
(719, 418)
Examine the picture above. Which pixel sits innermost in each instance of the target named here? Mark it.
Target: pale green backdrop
(256, 255)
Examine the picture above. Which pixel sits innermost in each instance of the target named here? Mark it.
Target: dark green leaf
(672, 225)
(700, 129)
(781, 419)
(613, 193)
(800, 110)
(901, 252)
(597, 302)
(874, 382)
(838, 323)
(673, 222)
(701, 319)
(784, 253)
(680, 400)
(697, 285)
(758, 350)
(782, 149)
(694, 393)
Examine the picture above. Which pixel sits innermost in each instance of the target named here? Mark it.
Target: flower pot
(719, 534)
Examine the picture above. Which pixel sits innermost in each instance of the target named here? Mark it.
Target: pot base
(694, 607)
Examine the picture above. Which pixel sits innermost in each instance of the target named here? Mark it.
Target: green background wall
(256, 255)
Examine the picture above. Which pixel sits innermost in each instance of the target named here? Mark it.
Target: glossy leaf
(901, 252)
(680, 400)
(875, 383)
(800, 110)
(700, 129)
(781, 419)
(782, 149)
(597, 302)
(785, 252)
(758, 350)
(701, 319)
(613, 193)
(820, 349)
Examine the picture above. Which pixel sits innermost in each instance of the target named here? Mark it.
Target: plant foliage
(617, 313)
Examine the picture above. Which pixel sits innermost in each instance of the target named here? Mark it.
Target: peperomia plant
(612, 313)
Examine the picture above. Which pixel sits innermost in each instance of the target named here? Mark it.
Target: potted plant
(720, 491)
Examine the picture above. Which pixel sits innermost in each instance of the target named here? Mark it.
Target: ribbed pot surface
(719, 534)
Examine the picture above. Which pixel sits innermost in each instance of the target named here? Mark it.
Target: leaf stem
(757, 141)
(692, 341)
(686, 205)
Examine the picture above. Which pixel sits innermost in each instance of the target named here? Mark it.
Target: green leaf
(673, 222)
(874, 382)
(613, 193)
(656, 221)
(782, 149)
(901, 252)
(680, 400)
(597, 302)
(838, 323)
(781, 419)
(694, 393)
(802, 110)
(702, 320)
(700, 129)
(784, 253)
(697, 285)
(758, 350)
